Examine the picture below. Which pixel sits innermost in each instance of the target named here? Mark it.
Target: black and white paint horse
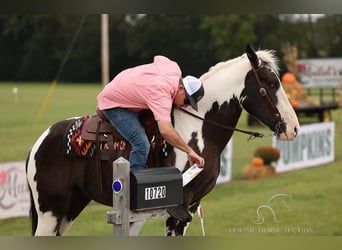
(61, 187)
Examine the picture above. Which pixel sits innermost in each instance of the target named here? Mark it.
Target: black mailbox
(155, 188)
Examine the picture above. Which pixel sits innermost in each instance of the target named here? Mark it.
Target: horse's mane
(267, 56)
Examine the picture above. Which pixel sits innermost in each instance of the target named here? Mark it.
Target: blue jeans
(127, 123)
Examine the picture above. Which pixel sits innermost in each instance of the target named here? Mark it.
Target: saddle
(98, 129)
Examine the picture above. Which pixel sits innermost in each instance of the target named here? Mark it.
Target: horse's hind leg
(43, 222)
(47, 225)
(51, 225)
(64, 226)
(77, 204)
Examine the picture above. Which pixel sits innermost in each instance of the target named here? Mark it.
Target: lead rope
(252, 134)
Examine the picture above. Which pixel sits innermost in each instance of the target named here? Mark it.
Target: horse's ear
(252, 56)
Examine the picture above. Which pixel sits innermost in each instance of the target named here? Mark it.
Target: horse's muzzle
(280, 127)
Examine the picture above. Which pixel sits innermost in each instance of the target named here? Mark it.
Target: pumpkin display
(268, 154)
(297, 95)
(260, 165)
(251, 172)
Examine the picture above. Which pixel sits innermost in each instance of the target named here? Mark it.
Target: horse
(61, 187)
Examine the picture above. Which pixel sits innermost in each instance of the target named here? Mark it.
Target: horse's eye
(272, 85)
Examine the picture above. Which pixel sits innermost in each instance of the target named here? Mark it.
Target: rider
(155, 86)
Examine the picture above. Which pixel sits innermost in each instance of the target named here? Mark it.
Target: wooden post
(105, 48)
(121, 194)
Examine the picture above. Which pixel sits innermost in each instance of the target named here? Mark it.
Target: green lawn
(230, 209)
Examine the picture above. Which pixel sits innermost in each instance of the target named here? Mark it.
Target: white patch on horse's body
(73, 118)
(217, 82)
(31, 167)
(46, 224)
(46, 221)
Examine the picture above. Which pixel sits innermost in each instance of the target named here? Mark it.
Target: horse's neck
(226, 116)
(223, 85)
(223, 82)
(210, 139)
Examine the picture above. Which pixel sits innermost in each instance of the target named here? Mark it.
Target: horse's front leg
(175, 227)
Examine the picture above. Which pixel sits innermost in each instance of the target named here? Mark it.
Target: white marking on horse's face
(283, 105)
(288, 114)
(46, 221)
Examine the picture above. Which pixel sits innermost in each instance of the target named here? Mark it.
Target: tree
(32, 47)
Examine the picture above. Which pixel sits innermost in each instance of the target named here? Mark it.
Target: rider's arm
(171, 135)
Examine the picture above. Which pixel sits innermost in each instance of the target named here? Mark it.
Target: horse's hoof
(179, 213)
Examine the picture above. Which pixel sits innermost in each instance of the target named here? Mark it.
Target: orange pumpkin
(295, 103)
(288, 78)
(257, 162)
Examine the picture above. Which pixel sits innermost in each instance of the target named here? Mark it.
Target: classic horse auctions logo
(284, 200)
(269, 217)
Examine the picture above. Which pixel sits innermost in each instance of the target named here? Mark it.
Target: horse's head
(264, 97)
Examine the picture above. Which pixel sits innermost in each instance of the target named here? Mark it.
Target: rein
(252, 134)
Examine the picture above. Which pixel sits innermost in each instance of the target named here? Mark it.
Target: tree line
(33, 47)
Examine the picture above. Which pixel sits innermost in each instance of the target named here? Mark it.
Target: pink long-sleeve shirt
(150, 86)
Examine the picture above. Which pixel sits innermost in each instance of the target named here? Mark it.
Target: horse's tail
(33, 216)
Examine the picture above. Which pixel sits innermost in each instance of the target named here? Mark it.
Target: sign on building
(320, 73)
(14, 193)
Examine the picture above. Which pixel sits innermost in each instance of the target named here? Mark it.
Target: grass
(18, 129)
(230, 209)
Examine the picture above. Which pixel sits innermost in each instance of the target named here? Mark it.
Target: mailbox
(155, 188)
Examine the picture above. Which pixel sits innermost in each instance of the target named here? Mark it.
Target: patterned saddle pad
(76, 146)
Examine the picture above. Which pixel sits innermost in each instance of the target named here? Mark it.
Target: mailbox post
(121, 187)
(141, 195)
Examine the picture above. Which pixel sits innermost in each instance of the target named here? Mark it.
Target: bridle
(279, 127)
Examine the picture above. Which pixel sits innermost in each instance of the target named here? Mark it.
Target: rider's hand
(195, 159)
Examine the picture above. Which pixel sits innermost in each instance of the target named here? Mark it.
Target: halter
(280, 125)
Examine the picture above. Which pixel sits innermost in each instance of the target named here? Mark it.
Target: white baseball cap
(194, 90)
